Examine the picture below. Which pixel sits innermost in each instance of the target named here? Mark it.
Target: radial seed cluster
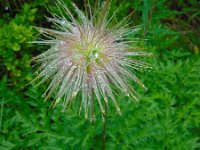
(88, 57)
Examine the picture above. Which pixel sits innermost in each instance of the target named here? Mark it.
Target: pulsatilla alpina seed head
(88, 57)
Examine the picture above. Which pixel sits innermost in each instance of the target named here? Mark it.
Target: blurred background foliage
(167, 117)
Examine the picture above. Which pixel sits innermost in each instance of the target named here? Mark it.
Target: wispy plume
(88, 57)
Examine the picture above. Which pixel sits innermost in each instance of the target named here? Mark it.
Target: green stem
(104, 128)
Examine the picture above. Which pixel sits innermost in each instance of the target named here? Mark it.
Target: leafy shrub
(14, 47)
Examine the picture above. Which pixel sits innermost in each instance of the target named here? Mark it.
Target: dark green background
(167, 117)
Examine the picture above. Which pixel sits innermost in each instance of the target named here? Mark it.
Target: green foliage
(167, 115)
(14, 47)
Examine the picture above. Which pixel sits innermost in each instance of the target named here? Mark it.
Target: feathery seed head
(86, 57)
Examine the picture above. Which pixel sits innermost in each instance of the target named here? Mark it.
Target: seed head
(88, 57)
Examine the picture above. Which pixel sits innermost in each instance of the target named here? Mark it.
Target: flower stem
(104, 128)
